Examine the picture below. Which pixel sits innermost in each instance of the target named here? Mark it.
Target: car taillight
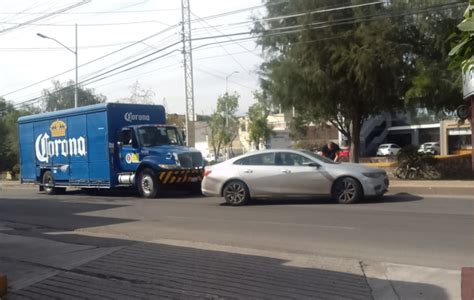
(207, 172)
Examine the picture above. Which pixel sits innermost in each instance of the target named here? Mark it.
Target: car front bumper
(375, 186)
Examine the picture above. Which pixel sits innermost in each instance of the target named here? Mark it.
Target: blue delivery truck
(106, 146)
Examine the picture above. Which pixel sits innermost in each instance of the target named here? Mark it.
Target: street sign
(468, 84)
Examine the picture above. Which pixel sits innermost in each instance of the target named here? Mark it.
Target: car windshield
(319, 157)
(157, 135)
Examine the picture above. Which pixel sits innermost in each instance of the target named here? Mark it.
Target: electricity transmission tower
(188, 71)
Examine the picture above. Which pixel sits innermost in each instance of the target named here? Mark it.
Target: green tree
(259, 130)
(463, 51)
(433, 84)
(343, 71)
(9, 136)
(139, 95)
(223, 123)
(61, 96)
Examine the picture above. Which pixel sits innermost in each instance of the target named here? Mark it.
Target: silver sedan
(288, 173)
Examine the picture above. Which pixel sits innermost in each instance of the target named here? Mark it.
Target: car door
(260, 173)
(300, 175)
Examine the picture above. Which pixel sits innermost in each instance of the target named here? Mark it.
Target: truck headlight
(176, 159)
(168, 166)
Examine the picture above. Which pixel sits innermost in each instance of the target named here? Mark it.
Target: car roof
(298, 151)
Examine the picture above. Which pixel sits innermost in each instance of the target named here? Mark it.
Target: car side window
(265, 159)
(291, 159)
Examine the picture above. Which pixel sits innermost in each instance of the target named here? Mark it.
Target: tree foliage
(346, 65)
(433, 84)
(139, 95)
(259, 130)
(9, 135)
(61, 96)
(223, 123)
(463, 51)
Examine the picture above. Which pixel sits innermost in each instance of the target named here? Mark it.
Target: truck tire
(147, 184)
(48, 184)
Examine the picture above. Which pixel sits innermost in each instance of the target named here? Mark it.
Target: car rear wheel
(48, 184)
(148, 184)
(347, 190)
(236, 193)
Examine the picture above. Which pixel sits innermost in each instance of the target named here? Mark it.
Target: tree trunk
(355, 138)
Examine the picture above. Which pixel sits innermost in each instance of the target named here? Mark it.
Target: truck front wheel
(147, 184)
(48, 184)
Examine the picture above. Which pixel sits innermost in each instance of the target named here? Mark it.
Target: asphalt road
(435, 231)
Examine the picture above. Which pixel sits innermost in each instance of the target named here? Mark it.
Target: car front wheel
(236, 193)
(347, 190)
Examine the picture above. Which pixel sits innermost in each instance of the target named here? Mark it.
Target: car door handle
(248, 171)
(286, 171)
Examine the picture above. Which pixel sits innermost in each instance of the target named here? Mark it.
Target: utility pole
(188, 71)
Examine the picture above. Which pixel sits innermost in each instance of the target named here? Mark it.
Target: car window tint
(291, 159)
(265, 159)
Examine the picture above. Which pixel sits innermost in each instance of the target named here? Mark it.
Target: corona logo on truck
(45, 147)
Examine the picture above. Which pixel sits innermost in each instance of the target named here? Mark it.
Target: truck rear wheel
(48, 184)
(147, 184)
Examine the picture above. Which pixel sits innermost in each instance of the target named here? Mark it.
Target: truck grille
(190, 160)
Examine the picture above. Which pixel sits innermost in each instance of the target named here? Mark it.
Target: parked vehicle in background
(105, 146)
(344, 154)
(388, 149)
(429, 148)
(287, 173)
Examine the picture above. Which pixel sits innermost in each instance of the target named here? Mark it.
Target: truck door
(128, 152)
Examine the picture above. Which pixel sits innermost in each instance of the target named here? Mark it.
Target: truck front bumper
(181, 176)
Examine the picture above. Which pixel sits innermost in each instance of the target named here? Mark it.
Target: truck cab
(154, 154)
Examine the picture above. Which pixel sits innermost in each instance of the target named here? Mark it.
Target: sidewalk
(433, 187)
(185, 270)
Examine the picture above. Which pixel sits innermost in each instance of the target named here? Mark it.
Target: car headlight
(374, 174)
(169, 167)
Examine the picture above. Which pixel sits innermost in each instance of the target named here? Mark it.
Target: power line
(268, 33)
(225, 50)
(92, 12)
(61, 48)
(90, 24)
(238, 44)
(94, 60)
(47, 15)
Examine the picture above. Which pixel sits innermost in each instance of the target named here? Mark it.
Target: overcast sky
(106, 26)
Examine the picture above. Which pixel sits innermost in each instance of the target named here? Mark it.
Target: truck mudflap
(181, 176)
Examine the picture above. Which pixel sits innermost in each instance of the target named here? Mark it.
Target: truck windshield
(157, 135)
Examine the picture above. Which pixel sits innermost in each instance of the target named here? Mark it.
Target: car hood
(355, 168)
